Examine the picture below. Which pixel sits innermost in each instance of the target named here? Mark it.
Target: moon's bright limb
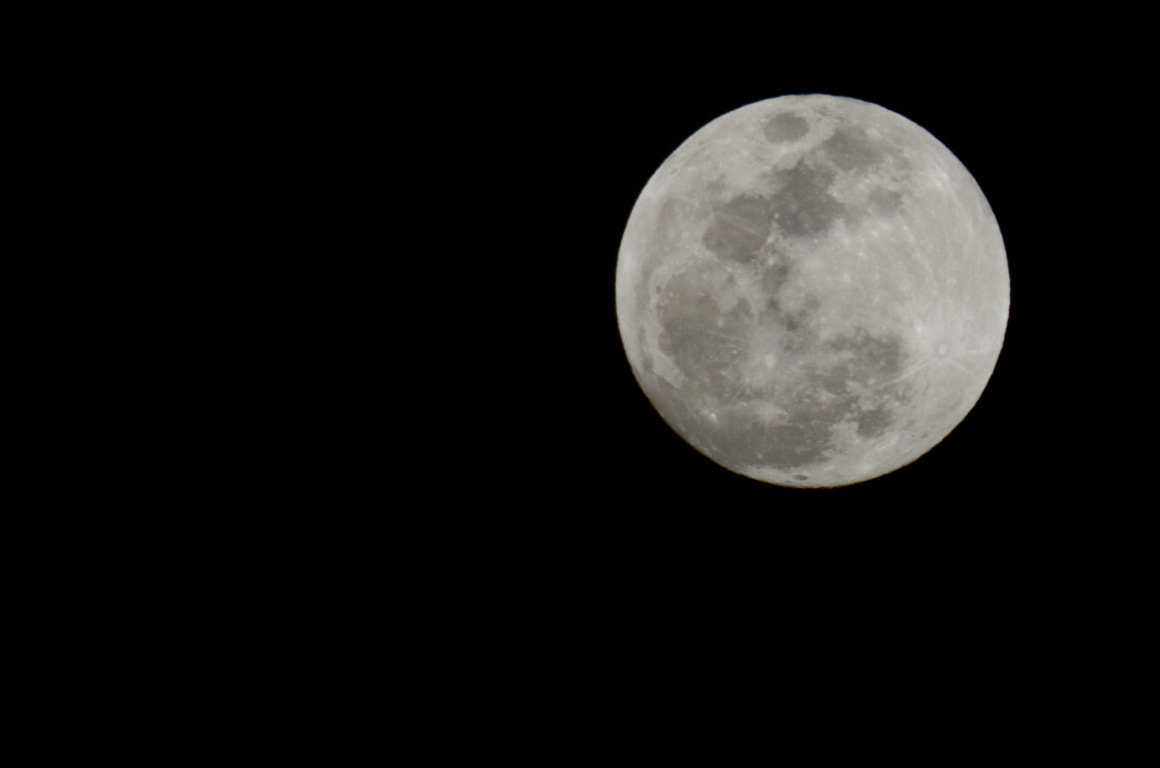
(812, 291)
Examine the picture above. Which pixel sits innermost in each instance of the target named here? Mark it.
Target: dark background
(581, 496)
(543, 534)
(564, 470)
(585, 140)
(571, 529)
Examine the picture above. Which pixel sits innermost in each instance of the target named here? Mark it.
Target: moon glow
(812, 291)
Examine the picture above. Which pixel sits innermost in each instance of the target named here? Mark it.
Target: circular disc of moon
(812, 291)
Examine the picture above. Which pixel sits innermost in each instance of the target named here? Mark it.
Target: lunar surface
(812, 291)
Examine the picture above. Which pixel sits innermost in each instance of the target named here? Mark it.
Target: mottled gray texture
(812, 291)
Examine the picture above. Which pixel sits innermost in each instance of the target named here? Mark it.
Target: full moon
(812, 291)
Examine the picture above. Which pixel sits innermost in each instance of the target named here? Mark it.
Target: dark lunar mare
(711, 355)
(802, 204)
(855, 363)
(764, 383)
(710, 347)
(785, 127)
(739, 227)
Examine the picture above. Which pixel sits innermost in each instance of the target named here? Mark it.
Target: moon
(812, 291)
